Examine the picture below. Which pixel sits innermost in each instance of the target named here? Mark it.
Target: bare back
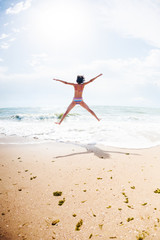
(78, 88)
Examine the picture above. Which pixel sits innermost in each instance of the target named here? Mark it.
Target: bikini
(77, 100)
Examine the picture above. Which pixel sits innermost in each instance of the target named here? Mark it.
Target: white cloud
(3, 36)
(39, 73)
(4, 46)
(19, 7)
(138, 19)
(131, 81)
(6, 24)
(12, 39)
(128, 72)
(116, 72)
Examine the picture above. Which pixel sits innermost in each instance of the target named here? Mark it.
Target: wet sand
(104, 192)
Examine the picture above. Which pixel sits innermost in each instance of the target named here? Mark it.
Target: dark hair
(80, 79)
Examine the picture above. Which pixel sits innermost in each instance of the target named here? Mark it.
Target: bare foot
(57, 123)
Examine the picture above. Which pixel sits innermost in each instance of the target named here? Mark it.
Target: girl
(78, 91)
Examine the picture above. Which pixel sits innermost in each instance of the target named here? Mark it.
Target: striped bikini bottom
(77, 100)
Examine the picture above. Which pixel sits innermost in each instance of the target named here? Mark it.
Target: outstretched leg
(83, 104)
(67, 111)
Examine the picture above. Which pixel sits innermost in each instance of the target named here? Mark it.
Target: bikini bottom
(77, 100)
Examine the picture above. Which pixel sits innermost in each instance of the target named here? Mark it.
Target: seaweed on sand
(55, 222)
(157, 191)
(57, 193)
(109, 206)
(100, 226)
(142, 235)
(78, 225)
(126, 201)
(130, 219)
(144, 204)
(34, 177)
(130, 207)
(61, 202)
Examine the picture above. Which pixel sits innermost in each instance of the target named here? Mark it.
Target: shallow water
(131, 127)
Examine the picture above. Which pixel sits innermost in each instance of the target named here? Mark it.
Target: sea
(120, 126)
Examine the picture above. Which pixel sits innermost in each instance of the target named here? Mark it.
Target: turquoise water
(119, 126)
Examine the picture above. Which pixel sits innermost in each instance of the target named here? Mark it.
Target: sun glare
(59, 22)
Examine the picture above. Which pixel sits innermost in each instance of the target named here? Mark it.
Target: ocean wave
(30, 117)
(122, 127)
(36, 117)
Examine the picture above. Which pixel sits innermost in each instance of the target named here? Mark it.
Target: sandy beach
(72, 192)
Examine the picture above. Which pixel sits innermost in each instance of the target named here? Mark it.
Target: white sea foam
(120, 126)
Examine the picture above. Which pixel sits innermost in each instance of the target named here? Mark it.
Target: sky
(41, 40)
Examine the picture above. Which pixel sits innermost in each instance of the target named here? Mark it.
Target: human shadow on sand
(91, 148)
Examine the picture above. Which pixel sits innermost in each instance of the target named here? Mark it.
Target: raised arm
(63, 81)
(93, 79)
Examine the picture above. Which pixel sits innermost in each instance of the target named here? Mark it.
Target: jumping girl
(78, 88)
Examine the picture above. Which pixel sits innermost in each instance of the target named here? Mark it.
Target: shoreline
(112, 190)
(18, 140)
